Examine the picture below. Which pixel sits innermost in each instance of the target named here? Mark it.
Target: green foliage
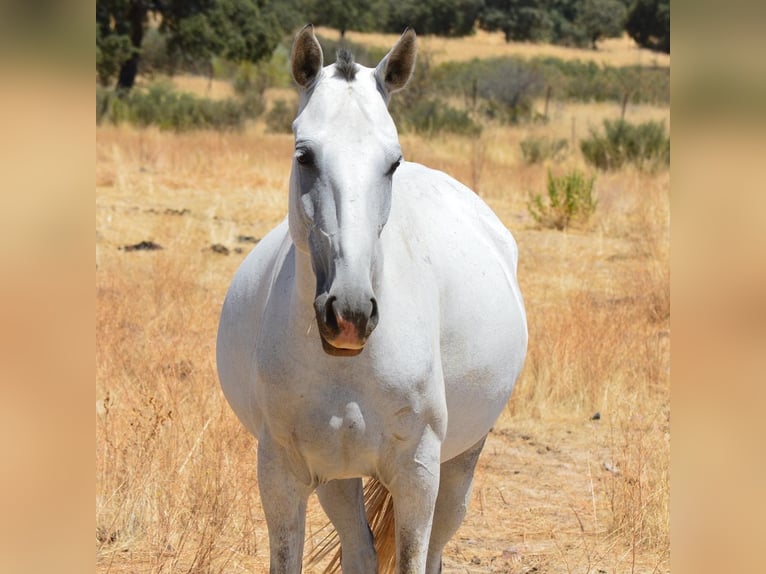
(520, 20)
(601, 19)
(439, 17)
(111, 51)
(570, 200)
(538, 149)
(644, 145)
(238, 30)
(279, 118)
(432, 116)
(567, 22)
(160, 105)
(648, 23)
(569, 80)
(506, 87)
(195, 31)
(343, 15)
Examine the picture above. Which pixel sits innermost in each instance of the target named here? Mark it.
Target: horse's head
(346, 152)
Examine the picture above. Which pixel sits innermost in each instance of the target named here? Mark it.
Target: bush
(568, 80)
(538, 149)
(505, 86)
(644, 145)
(431, 116)
(570, 200)
(160, 105)
(280, 117)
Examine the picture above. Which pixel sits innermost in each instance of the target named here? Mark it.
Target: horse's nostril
(330, 318)
(374, 313)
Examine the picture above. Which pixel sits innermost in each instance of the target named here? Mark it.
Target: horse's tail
(380, 517)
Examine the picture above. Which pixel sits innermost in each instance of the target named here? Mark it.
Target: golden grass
(212, 88)
(176, 487)
(614, 51)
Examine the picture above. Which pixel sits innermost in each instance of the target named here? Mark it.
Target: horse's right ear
(306, 58)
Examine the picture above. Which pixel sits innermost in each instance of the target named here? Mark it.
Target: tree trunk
(129, 69)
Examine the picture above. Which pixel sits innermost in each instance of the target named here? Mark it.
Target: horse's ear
(395, 69)
(306, 57)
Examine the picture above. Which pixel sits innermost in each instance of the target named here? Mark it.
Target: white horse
(377, 332)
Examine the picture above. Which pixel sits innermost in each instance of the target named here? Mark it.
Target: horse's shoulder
(430, 195)
(257, 272)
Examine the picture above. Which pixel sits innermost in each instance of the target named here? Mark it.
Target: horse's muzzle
(344, 328)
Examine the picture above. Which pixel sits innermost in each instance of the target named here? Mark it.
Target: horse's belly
(483, 346)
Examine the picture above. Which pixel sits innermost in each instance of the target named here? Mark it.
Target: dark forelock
(345, 66)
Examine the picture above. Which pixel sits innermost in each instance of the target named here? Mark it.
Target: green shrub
(280, 118)
(644, 145)
(538, 149)
(432, 116)
(160, 105)
(569, 200)
(568, 80)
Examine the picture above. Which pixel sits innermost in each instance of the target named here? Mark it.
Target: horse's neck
(304, 284)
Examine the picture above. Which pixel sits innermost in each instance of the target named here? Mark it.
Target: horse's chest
(341, 422)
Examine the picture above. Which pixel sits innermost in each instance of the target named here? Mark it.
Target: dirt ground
(537, 504)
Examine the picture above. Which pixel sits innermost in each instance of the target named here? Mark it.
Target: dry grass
(614, 51)
(176, 488)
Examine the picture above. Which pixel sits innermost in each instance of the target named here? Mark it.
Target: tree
(648, 24)
(601, 19)
(439, 17)
(238, 30)
(343, 15)
(521, 20)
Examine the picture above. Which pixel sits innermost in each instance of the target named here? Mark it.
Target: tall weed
(569, 200)
(538, 149)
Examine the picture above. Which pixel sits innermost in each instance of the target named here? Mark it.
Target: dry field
(555, 490)
(613, 51)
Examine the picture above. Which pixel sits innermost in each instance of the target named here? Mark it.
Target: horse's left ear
(395, 69)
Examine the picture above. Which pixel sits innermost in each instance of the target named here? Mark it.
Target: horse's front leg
(284, 497)
(414, 489)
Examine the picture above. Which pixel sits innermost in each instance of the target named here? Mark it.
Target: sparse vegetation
(521, 79)
(569, 200)
(538, 149)
(644, 145)
(434, 116)
(161, 105)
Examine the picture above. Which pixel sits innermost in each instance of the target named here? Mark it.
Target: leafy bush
(432, 116)
(570, 200)
(506, 86)
(568, 80)
(280, 118)
(644, 145)
(538, 149)
(162, 106)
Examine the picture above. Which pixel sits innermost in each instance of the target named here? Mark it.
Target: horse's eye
(393, 167)
(304, 157)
